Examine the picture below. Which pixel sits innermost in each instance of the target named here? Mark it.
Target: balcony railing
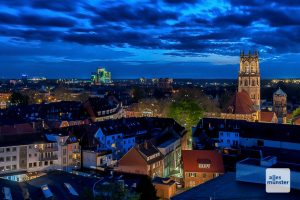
(49, 149)
(45, 158)
(76, 150)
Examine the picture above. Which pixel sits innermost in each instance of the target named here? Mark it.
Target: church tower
(249, 77)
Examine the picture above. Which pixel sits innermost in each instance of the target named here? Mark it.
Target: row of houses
(229, 133)
(65, 113)
(34, 152)
(96, 145)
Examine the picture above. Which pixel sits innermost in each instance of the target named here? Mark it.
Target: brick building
(200, 166)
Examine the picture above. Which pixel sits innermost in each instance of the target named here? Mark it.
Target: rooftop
(225, 187)
(280, 92)
(256, 162)
(271, 131)
(192, 159)
(240, 104)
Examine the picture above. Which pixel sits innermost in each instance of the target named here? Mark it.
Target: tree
(186, 112)
(19, 99)
(146, 189)
(296, 112)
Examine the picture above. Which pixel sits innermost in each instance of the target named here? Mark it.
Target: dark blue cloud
(33, 20)
(149, 30)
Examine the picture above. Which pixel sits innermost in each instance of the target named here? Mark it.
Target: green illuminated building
(101, 77)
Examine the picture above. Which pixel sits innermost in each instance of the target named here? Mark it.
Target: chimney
(146, 145)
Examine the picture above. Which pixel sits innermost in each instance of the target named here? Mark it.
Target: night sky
(159, 38)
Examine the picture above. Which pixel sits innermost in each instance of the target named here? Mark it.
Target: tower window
(253, 67)
(253, 82)
(246, 83)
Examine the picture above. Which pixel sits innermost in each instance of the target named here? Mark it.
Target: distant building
(103, 108)
(268, 116)
(4, 100)
(200, 166)
(245, 104)
(143, 80)
(279, 105)
(165, 83)
(24, 78)
(102, 76)
(249, 77)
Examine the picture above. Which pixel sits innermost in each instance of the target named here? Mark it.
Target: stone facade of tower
(249, 77)
(279, 105)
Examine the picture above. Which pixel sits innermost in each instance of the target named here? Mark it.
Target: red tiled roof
(192, 158)
(266, 116)
(240, 104)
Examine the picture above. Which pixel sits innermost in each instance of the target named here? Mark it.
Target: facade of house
(225, 133)
(27, 153)
(143, 159)
(171, 150)
(69, 151)
(165, 187)
(200, 166)
(96, 159)
(122, 134)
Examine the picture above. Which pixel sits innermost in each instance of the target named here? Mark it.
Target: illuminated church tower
(249, 77)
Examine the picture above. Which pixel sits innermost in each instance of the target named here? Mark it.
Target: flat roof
(226, 187)
(54, 180)
(256, 162)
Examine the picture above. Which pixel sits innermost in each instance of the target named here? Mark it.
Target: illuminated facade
(101, 77)
(249, 77)
(279, 105)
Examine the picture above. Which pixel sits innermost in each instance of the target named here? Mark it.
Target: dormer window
(204, 163)
(204, 166)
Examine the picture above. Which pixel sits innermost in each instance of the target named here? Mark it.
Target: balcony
(76, 151)
(48, 149)
(46, 158)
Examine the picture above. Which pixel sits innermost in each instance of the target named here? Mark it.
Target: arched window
(247, 67)
(246, 83)
(253, 82)
(253, 67)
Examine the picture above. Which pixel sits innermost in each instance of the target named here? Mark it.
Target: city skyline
(162, 38)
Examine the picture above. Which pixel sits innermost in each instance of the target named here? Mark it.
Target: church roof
(240, 104)
(280, 92)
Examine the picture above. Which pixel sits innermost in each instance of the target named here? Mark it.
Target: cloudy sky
(158, 38)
